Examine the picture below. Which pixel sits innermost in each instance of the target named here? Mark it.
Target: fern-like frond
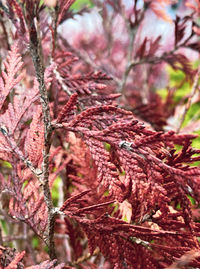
(17, 110)
(5, 150)
(120, 243)
(63, 7)
(35, 138)
(48, 264)
(27, 203)
(9, 259)
(10, 77)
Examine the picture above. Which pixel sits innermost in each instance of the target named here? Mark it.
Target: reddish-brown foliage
(89, 175)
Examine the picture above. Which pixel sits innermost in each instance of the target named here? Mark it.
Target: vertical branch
(132, 30)
(132, 33)
(36, 53)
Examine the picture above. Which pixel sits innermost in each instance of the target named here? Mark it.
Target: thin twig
(189, 102)
(1, 238)
(146, 60)
(61, 82)
(15, 149)
(86, 257)
(54, 15)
